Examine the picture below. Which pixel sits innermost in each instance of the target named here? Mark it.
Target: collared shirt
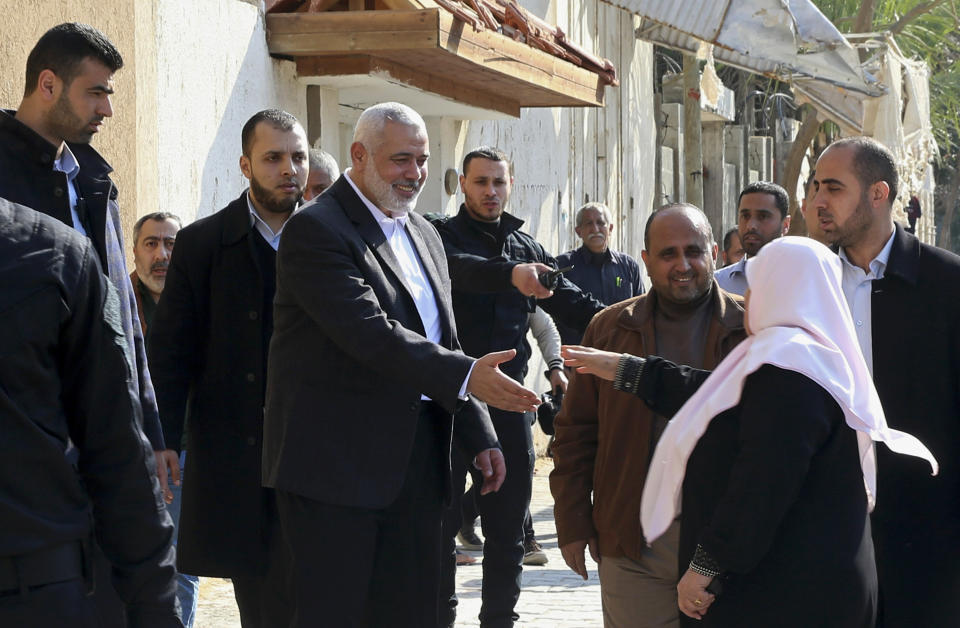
(67, 163)
(395, 230)
(272, 238)
(857, 288)
(733, 278)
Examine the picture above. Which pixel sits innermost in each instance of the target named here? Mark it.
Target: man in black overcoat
(365, 377)
(892, 281)
(208, 351)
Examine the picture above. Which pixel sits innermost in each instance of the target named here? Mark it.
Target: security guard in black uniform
(73, 461)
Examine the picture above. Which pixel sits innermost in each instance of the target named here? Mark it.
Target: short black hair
(486, 152)
(278, 118)
(706, 221)
(728, 238)
(63, 48)
(872, 162)
(158, 216)
(779, 195)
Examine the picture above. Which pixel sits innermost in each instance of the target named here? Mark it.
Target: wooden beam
(505, 56)
(462, 92)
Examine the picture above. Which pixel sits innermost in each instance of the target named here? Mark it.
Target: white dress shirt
(417, 283)
(67, 163)
(857, 288)
(272, 238)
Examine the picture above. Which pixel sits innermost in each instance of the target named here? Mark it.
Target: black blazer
(206, 357)
(915, 315)
(349, 361)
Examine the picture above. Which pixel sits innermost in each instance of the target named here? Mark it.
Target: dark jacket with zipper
(73, 451)
(27, 177)
(491, 314)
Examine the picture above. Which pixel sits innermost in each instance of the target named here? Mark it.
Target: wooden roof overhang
(431, 50)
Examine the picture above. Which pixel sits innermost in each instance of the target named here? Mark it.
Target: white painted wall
(213, 72)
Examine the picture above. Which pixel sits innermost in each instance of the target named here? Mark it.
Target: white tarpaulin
(783, 39)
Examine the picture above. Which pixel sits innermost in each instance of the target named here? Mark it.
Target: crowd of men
(337, 364)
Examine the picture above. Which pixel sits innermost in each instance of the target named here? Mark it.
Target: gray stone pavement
(552, 595)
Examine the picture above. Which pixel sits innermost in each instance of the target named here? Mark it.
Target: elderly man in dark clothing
(492, 316)
(608, 275)
(75, 461)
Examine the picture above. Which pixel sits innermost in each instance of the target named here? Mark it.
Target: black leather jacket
(491, 314)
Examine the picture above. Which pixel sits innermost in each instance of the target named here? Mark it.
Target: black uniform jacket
(492, 315)
(27, 177)
(207, 355)
(73, 454)
(349, 360)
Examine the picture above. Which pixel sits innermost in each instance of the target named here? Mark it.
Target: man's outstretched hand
(493, 467)
(489, 384)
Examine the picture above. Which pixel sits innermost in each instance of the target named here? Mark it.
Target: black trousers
(265, 599)
(502, 517)
(372, 567)
(52, 606)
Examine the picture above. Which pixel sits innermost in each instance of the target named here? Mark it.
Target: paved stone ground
(552, 595)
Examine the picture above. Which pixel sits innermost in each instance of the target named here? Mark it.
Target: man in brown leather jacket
(604, 438)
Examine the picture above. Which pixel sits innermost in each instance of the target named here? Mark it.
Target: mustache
(159, 266)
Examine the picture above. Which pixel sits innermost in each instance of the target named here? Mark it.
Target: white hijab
(800, 321)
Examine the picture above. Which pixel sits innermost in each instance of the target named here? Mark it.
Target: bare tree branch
(926, 7)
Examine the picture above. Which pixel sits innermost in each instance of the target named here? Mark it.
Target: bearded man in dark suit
(365, 375)
(892, 281)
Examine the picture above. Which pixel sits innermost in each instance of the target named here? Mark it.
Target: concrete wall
(213, 73)
(22, 22)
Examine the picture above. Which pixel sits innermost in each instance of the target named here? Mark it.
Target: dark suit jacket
(916, 367)
(349, 360)
(206, 354)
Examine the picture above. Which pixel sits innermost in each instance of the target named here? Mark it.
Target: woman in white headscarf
(772, 486)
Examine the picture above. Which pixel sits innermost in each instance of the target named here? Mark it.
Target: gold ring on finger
(697, 603)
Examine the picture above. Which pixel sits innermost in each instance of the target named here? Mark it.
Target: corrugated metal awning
(782, 39)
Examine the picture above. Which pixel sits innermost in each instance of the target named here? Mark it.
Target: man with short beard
(492, 316)
(47, 164)
(904, 296)
(604, 439)
(208, 351)
(153, 238)
(365, 377)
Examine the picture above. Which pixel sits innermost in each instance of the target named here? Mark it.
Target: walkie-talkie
(551, 278)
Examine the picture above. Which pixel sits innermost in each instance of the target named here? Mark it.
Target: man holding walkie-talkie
(493, 315)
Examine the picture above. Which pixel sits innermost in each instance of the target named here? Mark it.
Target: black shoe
(469, 540)
(533, 554)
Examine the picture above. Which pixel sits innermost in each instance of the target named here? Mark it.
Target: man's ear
(245, 166)
(49, 85)
(358, 156)
(714, 251)
(880, 191)
(785, 227)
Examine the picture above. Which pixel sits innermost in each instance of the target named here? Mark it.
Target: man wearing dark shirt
(153, 238)
(493, 316)
(73, 451)
(606, 274)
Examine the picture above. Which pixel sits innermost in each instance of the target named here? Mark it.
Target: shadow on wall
(208, 88)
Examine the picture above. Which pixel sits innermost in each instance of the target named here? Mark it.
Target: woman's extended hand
(692, 595)
(603, 364)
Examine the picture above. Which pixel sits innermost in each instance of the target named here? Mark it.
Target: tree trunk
(864, 21)
(791, 171)
(944, 238)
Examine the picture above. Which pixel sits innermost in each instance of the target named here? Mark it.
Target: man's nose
(106, 108)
